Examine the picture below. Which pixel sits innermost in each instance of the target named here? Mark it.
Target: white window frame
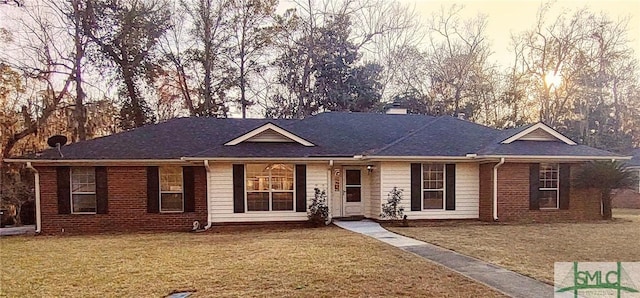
(557, 188)
(82, 192)
(443, 189)
(270, 190)
(169, 191)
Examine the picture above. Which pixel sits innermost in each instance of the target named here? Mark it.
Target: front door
(352, 192)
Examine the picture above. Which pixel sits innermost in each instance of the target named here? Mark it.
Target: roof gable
(269, 133)
(538, 132)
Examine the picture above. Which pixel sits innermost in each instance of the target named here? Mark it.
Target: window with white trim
(433, 176)
(83, 190)
(548, 189)
(269, 187)
(171, 189)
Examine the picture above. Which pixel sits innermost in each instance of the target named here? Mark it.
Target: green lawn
(531, 249)
(266, 262)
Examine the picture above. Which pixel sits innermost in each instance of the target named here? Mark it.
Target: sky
(513, 16)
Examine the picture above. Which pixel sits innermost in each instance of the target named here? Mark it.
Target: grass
(531, 249)
(268, 262)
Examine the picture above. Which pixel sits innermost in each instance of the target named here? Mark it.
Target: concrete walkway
(503, 280)
(7, 231)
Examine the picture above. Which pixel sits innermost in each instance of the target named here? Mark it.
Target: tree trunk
(79, 112)
(606, 204)
(207, 65)
(138, 114)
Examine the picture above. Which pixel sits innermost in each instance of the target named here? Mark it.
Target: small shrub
(392, 209)
(319, 210)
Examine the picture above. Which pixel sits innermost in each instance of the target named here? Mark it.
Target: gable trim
(269, 126)
(535, 127)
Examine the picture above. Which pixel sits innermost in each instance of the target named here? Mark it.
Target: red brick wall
(513, 197)
(127, 205)
(486, 191)
(626, 198)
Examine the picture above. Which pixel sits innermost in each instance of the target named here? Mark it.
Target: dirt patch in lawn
(272, 262)
(531, 249)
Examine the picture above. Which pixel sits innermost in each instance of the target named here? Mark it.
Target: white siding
(396, 174)
(220, 195)
(366, 191)
(538, 135)
(269, 135)
(467, 190)
(374, 194)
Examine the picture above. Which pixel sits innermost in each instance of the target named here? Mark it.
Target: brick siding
(626, 198)
(486, 191)
(127, 211)
(513, 197)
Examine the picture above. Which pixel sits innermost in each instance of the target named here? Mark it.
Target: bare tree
(457, 57)
(250, 35)
(126, 34)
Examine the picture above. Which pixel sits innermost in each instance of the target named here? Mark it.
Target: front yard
(531, 249)
(267, 262)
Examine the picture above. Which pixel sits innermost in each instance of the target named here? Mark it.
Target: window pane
(548, 199)
(281, 177)
(353, 177)
(258, 201)
(257, 177)
(84, 203)
(548, 175)
(282, 201)
(353, 194)
(171, 179)
(171, 202)
(432, 200)
(433, 175)
(83, 179)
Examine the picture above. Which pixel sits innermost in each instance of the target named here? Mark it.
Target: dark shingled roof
(334, 135)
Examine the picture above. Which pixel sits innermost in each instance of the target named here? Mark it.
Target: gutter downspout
(37, 191)
(495, 188)
(209, 219)
(329, 188)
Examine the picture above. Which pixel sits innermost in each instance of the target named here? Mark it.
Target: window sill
(84, 213)
(274, 211)
(171, 212)
(549, 209)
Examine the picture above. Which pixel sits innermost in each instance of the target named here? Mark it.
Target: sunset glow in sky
(514, 16)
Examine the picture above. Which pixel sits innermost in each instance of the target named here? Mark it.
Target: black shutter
(565, 185)
(451, 187)
(534, 186)
(189, 191)
(64, 190)
(153, 190)
(102, 192)
(416, 187)
(238, 188)
(301, 188)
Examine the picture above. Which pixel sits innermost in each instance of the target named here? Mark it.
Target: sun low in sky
(508, 17)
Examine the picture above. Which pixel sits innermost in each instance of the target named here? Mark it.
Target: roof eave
(556, 157)
(128, 162)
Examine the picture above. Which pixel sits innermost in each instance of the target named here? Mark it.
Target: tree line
(88, 68)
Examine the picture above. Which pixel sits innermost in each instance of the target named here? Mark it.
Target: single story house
(219, 171)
